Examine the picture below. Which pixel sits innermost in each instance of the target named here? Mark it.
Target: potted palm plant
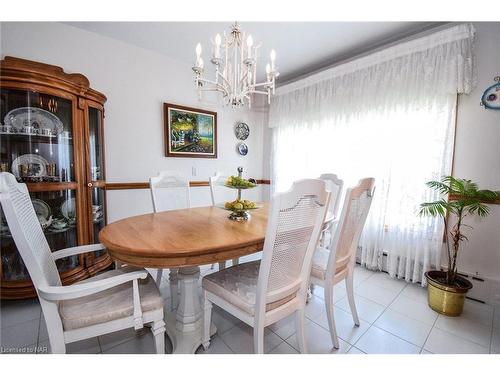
(447, 289)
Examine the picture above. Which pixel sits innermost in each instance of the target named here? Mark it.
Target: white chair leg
(236, 261)
(349, 283)
(54, 329)
(57, 348)
(300, 328)
(207, 321)
(222, 265)
(174, 288)
(258, 339)
(159, 274)
(329, 313)
(158, 330)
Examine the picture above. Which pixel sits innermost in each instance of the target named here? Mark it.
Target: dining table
(185, 239)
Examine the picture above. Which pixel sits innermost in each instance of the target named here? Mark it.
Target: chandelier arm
(217, 86)
(224, 79)
(268, 83)
(204, 80)
(259, 92)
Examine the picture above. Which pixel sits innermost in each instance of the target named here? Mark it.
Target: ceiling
(301, 47)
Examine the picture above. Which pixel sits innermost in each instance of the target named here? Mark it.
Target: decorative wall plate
(491, 97)
(35, 118)
(242, 148)
(242, 131)
(38, 160)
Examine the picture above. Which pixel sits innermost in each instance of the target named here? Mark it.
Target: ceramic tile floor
(394, 317)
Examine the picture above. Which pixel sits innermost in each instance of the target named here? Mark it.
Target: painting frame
(169, 110)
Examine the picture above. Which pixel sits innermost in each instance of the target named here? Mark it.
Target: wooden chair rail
(145, 185)
(455, 197)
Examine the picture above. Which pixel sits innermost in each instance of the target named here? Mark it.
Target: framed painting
(190, 132)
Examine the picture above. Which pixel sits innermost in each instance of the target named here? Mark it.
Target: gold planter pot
(445, 299)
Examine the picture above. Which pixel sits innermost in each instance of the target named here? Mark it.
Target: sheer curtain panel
(388, 115)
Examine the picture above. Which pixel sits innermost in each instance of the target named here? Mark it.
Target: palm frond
(437, 208)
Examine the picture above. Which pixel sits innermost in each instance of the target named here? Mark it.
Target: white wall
(477, 156)
(137, 82)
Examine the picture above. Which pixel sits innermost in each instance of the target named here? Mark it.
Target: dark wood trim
(168, 153)
(99, 184)
(455, 197)
(145, 185)
(263, 182)
(35, 187)
(198, 183)
(126, 185)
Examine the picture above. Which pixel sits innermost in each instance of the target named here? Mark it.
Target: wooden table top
(182, 238)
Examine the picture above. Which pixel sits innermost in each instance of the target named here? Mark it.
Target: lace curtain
(389, 115)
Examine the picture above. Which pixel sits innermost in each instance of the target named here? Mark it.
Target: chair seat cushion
(110, 304)
(238, 286)
(320, 263)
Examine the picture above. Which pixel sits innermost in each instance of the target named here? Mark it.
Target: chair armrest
(76, 250)
(60, 293)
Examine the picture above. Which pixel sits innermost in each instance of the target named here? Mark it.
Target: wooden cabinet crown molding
(16, 69)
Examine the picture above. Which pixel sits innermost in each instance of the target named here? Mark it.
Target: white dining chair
(262, 292)
(217, 187)
(331, 267)
(170, 191)
(111, 301)
(335, 185)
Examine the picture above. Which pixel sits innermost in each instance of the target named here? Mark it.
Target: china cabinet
(51, 131)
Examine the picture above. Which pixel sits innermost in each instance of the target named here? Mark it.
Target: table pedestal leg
(184, 325)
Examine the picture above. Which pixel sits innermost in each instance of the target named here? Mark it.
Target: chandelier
(234, 57)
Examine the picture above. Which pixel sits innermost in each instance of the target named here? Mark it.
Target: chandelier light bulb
(198, 50)
(249, 41)
(273, 59)
(217, 46)
(249, 45)
(268, 69)
(200, 63)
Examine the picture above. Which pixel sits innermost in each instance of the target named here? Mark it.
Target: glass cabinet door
(36, 137)
(36, 146)
(97, 179)
(96, 144)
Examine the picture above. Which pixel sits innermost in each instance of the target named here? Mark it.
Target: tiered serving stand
(240, 214)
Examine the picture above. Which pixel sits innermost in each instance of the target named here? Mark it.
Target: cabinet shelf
(34, 187)
(19, 137)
